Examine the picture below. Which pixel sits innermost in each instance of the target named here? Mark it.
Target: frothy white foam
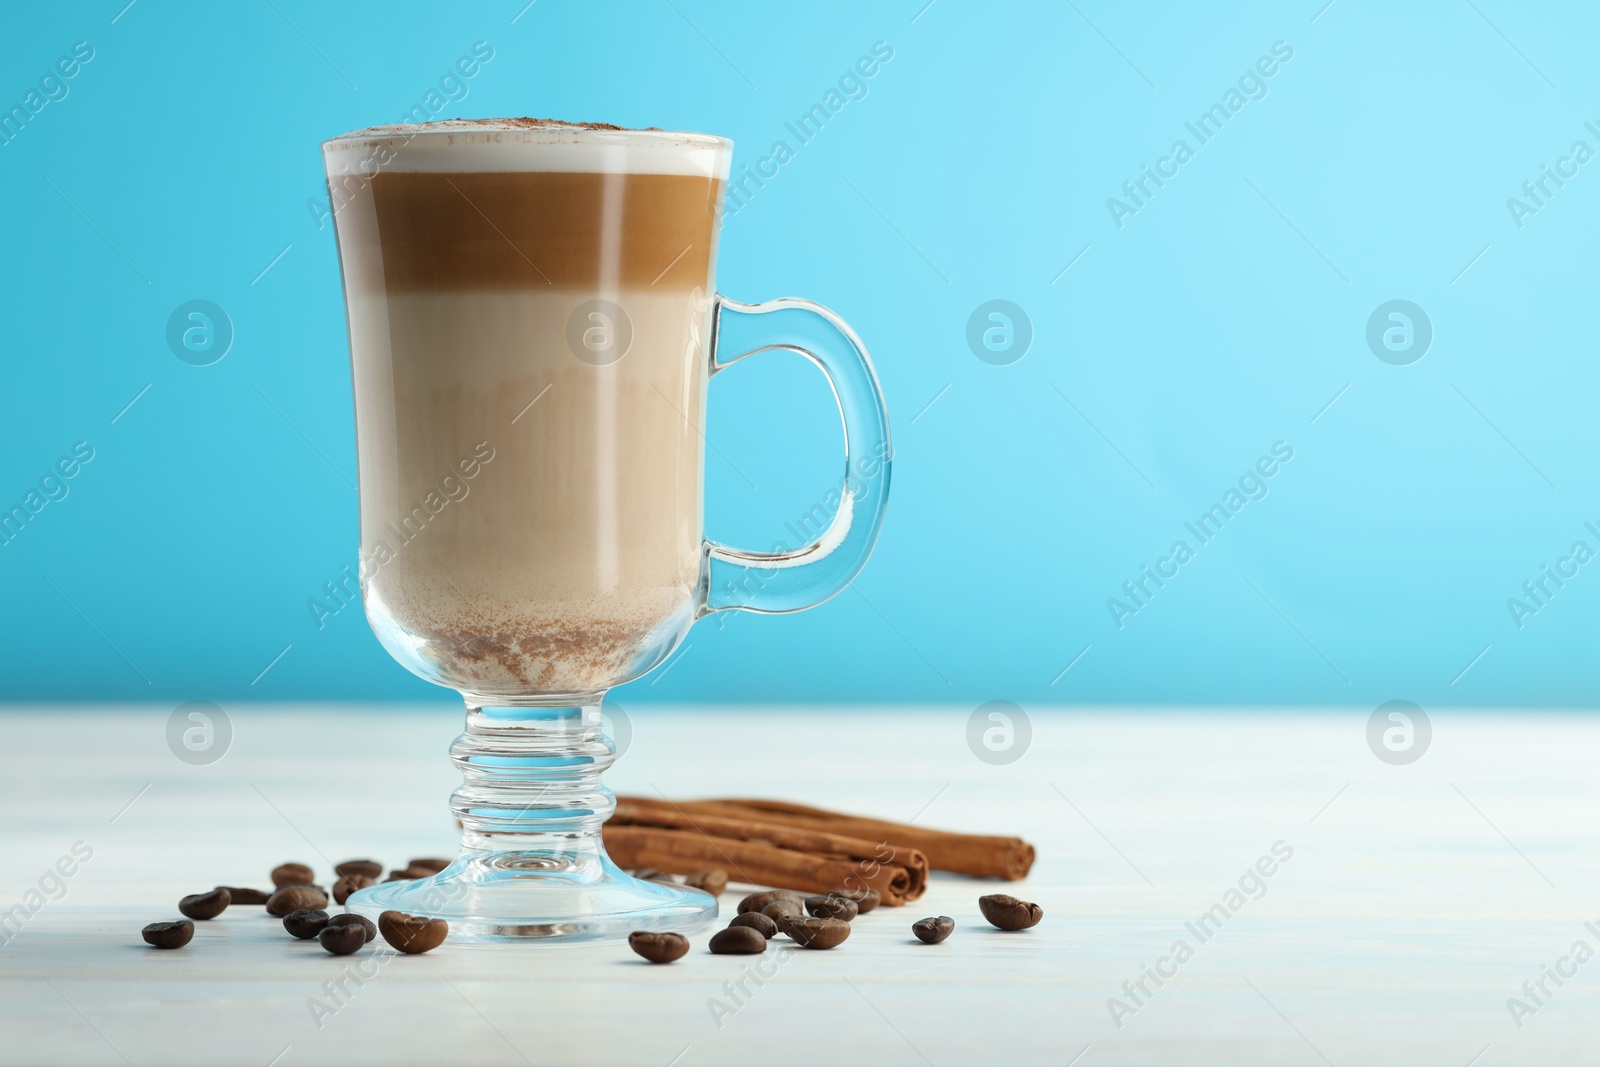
(523, 145)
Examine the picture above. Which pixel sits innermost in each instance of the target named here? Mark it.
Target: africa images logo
(999, 332)
(1399, 332)
(199, 332)
(1399, 732)
(999, 732)
(199, 732)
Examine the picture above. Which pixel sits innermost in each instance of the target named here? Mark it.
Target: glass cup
(533, 324)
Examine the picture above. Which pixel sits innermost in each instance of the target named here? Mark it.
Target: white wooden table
(1418, 899)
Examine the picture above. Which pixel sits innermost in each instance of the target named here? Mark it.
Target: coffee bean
(206, 905)
(712, 880)
(832, 906)
(738, 941)
(169, 935)
(779, 910)
(866, 899)
(369, 868)
(349, 884)
(650, 874)
(1009, 913)
(412, 934)
(757, 901)
(341, 939)
(933, 929)
(764, 925)
(242, 895)
(814, 932)
(294, 897)
(658, 947)
(350, 918)
(432, 865)
(291, 874)
(305, 923)
(409, 874)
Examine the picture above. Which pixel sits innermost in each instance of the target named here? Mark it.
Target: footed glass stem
(532, 865)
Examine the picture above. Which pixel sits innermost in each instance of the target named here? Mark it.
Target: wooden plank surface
(1417, 900)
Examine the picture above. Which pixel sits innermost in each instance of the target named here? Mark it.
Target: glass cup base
(538, 895)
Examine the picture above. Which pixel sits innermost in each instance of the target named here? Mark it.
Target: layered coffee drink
(530, 317)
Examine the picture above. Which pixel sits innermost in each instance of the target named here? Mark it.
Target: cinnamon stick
(981, 855)
(683, 851)
(785, 857)
(630, 811)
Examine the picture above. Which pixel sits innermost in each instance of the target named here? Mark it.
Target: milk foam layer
(522, 145)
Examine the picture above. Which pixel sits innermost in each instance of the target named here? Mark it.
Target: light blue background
(1220, 319)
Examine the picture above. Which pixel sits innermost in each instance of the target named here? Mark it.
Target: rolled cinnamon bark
(681, 851)
(803, 839)
(981, 855)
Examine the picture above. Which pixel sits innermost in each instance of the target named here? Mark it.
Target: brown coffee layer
(534, 230)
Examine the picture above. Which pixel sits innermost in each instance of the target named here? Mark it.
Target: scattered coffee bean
(350, 918)
(1009, 913)
(815, 932)
(206, 905)
(832, 906)
(294, 897)
(712, 880)
(866, 899)
(738, 941)
(761, 924)
(412, 934)
(368, 868)
(779, 910)
(291, 874)
(650, 874)
(348, 884)
(305, 923)
(170, 934)
(242, 895)
(757, 901)
(433, 865)
(933, 929)
(341, 939)
(658, 947)
(409, 874)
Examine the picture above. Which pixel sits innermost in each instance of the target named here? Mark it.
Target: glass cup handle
(795, 578)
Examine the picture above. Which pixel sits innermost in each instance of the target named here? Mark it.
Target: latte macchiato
(533, 325)
(530, 314)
